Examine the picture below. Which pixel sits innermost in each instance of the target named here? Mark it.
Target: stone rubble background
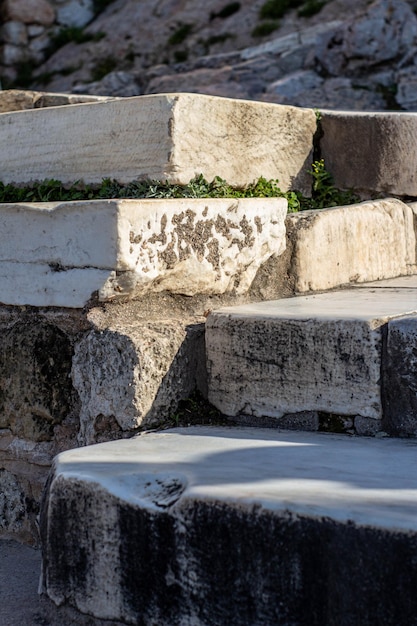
(355, 55)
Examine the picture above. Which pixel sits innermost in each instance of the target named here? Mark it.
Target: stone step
(170, 137)
(238, 526)
(342, 360)
(382, 157)
(67, 253)
(362, 242)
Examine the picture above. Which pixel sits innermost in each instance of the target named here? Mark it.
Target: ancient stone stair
(247, 526)
(101, 324)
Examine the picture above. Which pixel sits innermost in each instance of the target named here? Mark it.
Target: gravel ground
(19, 577)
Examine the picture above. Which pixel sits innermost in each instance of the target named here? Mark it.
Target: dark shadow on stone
(36, 392)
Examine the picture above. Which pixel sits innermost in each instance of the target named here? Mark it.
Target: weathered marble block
(400, 377)
(352, 244)
(320, 353)
(233, 526)
(20, 100)
(371, 152)
(165, 137)
(64, 254)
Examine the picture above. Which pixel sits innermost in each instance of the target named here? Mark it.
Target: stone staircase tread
(384, 299)
(367, 481)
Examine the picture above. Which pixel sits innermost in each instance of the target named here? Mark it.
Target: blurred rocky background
(341, 54)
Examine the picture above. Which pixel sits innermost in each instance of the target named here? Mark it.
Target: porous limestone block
(371, 152)
(166, 137)
(135, 373)
(400, 378)
(237, 526)
(309, 353)
(64, 254)
(357, 243)
(71, 378)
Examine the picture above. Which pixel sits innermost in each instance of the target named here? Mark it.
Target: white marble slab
(367, 481)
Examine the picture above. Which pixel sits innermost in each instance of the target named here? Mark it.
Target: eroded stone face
(190, 247)
(274, 368)
(214, 526)
(66, 253)
(400, 378)
(35, 388)
(12, 503)
(311, 353)
(134, 375)
(371, 152)
(29, 11)
(18, 100)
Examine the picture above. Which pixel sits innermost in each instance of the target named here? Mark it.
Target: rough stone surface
(234, 526)
(35, 388)
(18, 100)
(400, 378)
(29, 11)
(12, 54)
(220, 56)
(135, 375)
(360, 55)
(380, 159)
(120, 84)
(75, 13)
(14, 32)
(364, 242)
(161, 137)
(68, 378)
(310, 353)
(12, 505)
(61, 254)
(386, 31)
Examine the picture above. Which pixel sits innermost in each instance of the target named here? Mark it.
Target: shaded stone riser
(247, 567)
(233, 526)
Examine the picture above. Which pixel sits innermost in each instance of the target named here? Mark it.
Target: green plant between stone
(103, 67)
(275, 9)
(324, 193)
(74, 34)
(311, 7)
